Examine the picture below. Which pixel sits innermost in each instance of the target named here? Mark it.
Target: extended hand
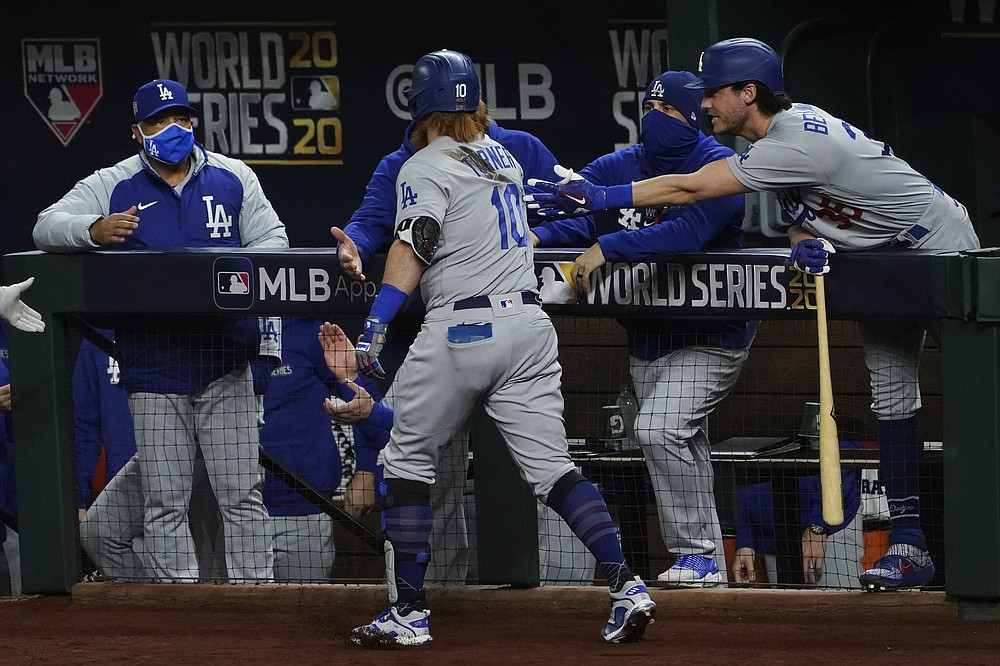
(13, 309)
(347, 254)
(811, 255)
(369, 346)
(338, 352)
(571, 195)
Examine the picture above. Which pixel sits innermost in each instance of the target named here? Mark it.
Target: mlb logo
(506, 303)
(234, 282)
(233, 286)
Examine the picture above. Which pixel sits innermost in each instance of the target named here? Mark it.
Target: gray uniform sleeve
(770, 165)
(259, 223)
(65, 225)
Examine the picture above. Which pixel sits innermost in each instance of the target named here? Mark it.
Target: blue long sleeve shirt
(635, 234)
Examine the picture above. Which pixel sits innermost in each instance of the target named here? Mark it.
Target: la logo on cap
(657, 90)
(165, 92)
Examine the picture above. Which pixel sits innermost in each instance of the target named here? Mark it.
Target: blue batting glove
(369, 346)
(811, 255)
(571, 195)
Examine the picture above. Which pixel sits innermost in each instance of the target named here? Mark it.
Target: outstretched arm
(713, 180)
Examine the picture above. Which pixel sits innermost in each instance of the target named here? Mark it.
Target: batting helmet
(740, 59)
(443, 81)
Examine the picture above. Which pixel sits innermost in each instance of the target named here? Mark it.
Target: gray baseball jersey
(484, 246)
(484, 336)
(842, 185)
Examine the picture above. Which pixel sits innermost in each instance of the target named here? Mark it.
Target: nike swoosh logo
(143, 206)
(579, 200)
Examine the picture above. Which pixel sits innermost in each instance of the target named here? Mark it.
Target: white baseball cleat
(390, 629)
(631, 610)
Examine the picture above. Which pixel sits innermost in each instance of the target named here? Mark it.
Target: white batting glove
(13, 309)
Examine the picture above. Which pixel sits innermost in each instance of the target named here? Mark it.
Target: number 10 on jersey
(510, 214)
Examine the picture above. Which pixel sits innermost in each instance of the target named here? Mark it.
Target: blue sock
(408, 529)
(901, 446)
(584, 510)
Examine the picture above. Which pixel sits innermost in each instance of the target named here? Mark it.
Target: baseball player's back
(475, 191)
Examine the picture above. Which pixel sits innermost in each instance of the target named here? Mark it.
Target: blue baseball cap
(158, 95)
(670, 88)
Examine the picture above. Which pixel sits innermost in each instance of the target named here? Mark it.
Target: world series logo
(62, 80)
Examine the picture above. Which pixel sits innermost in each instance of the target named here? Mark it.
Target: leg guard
(406, 523)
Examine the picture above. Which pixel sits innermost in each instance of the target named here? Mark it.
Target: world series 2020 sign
(266, 93)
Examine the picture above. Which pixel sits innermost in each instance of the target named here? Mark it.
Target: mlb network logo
(62, 80)
(233, 288)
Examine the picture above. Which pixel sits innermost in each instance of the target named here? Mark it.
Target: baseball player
(681, 369)
(188, 380)
(839, 190)
(111, 529)
(101, 418)
(369, 231)
(462, 236)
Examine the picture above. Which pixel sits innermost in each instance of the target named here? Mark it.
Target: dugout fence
(757, 431)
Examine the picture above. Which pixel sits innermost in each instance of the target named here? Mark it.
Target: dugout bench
(962, 291)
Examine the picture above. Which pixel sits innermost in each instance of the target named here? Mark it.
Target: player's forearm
(402, 268)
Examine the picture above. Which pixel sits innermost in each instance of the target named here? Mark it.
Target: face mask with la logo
(171, 145)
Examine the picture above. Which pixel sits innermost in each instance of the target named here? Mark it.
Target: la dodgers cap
(670, 88)
(157, 95)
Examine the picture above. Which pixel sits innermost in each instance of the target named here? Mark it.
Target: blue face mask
(171, 145)
(668, 142)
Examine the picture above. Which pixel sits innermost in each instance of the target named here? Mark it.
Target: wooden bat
(829, 442)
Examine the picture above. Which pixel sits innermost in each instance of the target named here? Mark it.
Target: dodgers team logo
(62, 80)
(233, 278)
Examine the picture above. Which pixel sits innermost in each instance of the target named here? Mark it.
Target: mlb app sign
(62, 80)
(233, 283)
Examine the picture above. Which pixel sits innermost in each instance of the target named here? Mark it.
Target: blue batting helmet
(740, 59)
(443, 81)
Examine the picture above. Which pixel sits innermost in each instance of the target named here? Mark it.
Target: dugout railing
(960, 291)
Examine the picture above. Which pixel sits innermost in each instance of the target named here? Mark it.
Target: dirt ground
(179, 624)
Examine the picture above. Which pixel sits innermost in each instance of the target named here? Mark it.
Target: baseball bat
(829, 442)
(322, 502)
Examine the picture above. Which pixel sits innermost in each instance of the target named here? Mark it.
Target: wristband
(387, 303)
(618, 196)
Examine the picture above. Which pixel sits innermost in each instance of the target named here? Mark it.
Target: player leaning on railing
(839, 190)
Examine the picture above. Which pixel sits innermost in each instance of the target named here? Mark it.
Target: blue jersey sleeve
(372, 225)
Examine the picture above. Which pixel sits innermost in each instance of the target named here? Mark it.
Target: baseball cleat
(631, 610)
(903, 566)
(390, 629)
(691, 571)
